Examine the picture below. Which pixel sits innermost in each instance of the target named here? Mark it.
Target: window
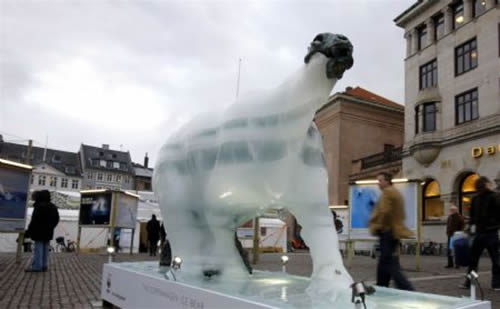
(123, 166)
(64, 182)
(99, 176)
(466, 57)
(118, 178)
(466, 106)
(53, 181)
(429, 114)
(69, 169)
(109, 177)
(74, 184)
(95, 162)
(56, 158)
(458, 14)
(467, 191)
(90, 175)
(127, 180)
(116, 165)
(478, 8)
(31, 179)
(41, 180)
(428, 75)
(102, 163)
(422, 36)
(109, 164)
(417, 118)
(433, 205)
(439, 26)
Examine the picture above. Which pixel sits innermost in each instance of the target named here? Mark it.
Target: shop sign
(478, 152)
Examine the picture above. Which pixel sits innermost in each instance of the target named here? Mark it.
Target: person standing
(454, 224)
(44, 220)
(387, 222)
(153, 228)
(484, 223)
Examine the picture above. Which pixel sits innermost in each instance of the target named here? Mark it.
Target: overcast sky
(126, 73)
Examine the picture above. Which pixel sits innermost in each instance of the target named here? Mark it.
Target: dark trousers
(490, 242)
(153, 246)
(388, 264)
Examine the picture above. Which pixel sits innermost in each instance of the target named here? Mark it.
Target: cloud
(129, 73)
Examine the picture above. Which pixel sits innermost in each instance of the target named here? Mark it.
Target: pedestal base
(141, 285)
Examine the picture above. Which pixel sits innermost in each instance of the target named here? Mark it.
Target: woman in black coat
(44, 220)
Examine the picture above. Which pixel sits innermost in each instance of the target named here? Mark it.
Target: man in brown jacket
(387, 222)
(455, 223)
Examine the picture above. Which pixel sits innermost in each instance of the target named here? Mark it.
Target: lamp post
(111, 252)
(284, 261)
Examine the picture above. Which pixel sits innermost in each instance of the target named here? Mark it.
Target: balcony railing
(388, 156)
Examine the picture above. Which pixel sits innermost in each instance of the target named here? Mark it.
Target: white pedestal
(140, 285)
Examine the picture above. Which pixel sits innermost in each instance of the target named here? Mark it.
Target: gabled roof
(366, 95)
(142, 171)
(97, 153)
(64, 161)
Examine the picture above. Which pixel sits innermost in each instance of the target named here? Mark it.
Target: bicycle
(62, 246)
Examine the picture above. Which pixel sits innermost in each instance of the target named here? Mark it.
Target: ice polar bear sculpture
(224, 168)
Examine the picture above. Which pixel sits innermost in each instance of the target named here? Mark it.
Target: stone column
(408, 38)
(467, 10)
(414, 40)
(430, 31)
(490, 4)
(448, 20)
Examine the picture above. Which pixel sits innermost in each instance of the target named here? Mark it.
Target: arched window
(433, 205)
(466, 191)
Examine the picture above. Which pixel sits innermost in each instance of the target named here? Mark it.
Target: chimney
(105, 146)
(146, 160)
(349, 88)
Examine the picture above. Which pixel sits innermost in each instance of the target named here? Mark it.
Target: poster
(126, 213)
(95, 208)
(364, 198)
(14, 185)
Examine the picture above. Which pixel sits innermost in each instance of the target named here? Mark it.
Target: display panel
(14, 186)
(126, 212)
(95, 208)
(364, 198)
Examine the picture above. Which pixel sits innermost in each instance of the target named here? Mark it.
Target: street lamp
(284, 261)
(111, 252)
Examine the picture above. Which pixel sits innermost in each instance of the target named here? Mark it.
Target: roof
(366, 95)
(64, 161)
(143, 172)
(414, 5)
(97, 153)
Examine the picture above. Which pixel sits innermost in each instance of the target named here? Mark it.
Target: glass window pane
(467, 111)
(467, 62)
(460, 65)
(474, 94)
(434, 77)
(475, 112)
(460, 112)
(466, 48)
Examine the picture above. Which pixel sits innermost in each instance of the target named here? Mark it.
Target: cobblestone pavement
(74, 281)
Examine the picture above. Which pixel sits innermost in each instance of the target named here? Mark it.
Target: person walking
(484, 224)
(387, 222)
(153, 228)
(454, 224)
(44, 220)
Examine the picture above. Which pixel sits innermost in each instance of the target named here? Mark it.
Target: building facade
(452, 102)
(143, 175)
(355, 124)
(104, 168)
(53, 170)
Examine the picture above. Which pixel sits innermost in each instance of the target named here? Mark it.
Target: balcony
(391, 154)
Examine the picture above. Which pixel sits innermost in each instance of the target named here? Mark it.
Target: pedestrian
(44, 220)
(153, 228)
(387, 222)
(483, 225)
(454, 224)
